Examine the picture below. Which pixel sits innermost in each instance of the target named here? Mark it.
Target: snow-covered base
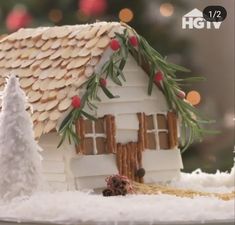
(74, 207)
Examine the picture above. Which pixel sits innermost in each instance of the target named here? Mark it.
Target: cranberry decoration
(103, 82)
(18, 18)
(76, 102)
(133, 41)
(158, 77)
(115, 45)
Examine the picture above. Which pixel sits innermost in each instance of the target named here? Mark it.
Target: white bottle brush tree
(20, 161)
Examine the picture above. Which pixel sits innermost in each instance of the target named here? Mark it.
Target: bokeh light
(55, 15)
(193, 97)
(17, 18)
(126, 15)
(92, 7)
(166, 9)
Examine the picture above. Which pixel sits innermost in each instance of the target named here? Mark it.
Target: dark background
(206, 52)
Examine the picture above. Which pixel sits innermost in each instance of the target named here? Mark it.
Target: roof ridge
(32, 32)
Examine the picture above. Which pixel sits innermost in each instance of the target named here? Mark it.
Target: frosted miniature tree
(20, 161)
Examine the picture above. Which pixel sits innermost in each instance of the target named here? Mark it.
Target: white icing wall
(56, 162)
(133, 98)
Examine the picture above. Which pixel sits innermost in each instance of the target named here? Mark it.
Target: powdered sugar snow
(73, 207)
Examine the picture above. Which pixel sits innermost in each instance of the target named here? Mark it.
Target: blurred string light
(55, 15)
(126, 15)
(92, 7)
(193, 97)
(166, 9)
(17, 18)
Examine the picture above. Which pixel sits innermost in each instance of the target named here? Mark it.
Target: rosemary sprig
(190, 118)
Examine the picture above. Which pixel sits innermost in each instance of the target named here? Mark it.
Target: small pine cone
(108, 192)
(124, 182)
(119, 191)
(116, 182)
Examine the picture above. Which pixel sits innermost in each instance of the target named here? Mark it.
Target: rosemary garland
(190, 118)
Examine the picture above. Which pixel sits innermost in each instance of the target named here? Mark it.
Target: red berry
(76, 102)
(158, 77)
(114, 44)
(133, 41)
(103, 82)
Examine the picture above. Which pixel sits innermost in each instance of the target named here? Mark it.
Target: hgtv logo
(195, 20)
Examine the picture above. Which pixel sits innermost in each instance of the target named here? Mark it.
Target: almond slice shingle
(43, 116)
(47, 45)
(84, 52)
(72, 42)
(57, 62)
(45, 96)
(102, 30)
(36, 85)
(39, 43)
(27, 63)
(103, 42)
(52, 95)
(60, 83)
(70, 81)
(35, 115)
(50, 125)
(44, 84)
(45, 54)
(96, 51)
(56, 44)
(26, 82)
(61, 94)
(40, 106)
(88, 71)
(46, 63)
(60, 74)
(92, 32)
(51, 104)
(64, 104)
(78, 62)
(81, 43)
(62, 32)
(66, 52)
(34, 96)
(94, 61)
(56, 54)
(91, 43)
(24, 73)
(55, 115)
(73, 91)
(38, 129)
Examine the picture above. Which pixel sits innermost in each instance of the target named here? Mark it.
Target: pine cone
(108, 192)
(120, 191)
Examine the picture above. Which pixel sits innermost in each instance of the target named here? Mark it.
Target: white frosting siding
(55, 163)
(133, 98)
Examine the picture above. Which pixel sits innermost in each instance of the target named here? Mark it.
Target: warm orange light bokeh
(166, 9)
(55, 15)
(126, 15)
(193, 97)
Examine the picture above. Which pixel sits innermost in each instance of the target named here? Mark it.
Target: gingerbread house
(133, 130)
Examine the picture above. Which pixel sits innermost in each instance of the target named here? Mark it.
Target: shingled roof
(52, 63)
